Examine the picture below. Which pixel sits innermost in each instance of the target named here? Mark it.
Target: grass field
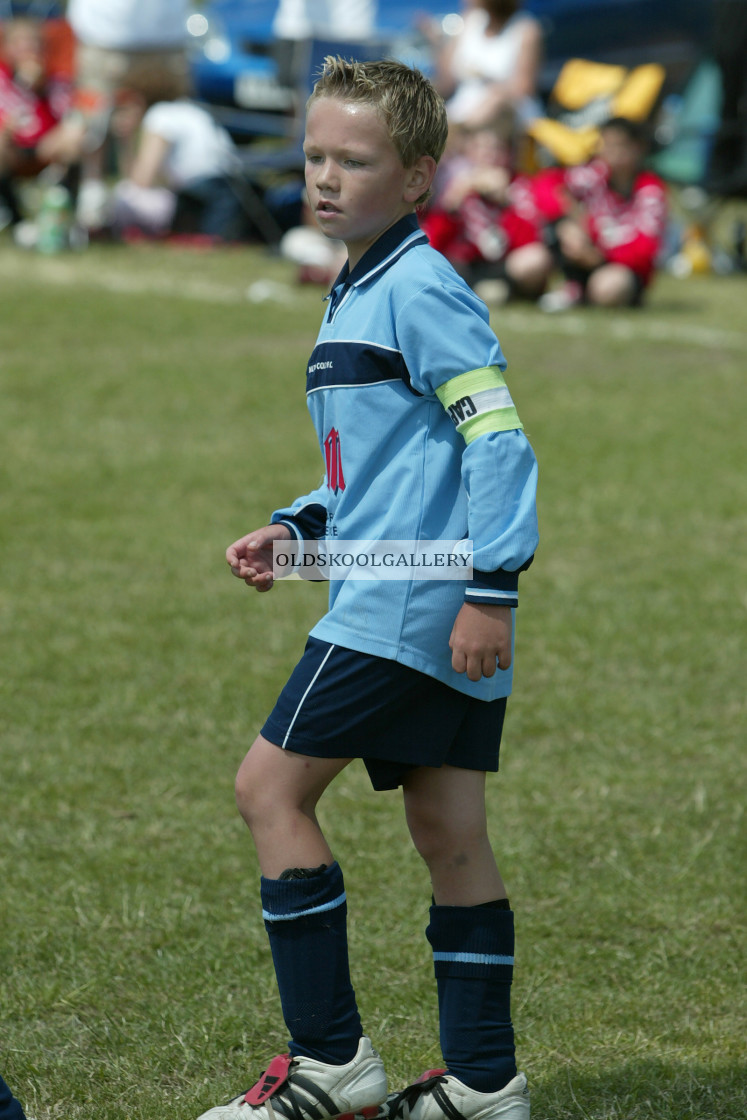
(149, 414)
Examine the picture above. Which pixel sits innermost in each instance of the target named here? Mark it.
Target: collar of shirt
(374, 259)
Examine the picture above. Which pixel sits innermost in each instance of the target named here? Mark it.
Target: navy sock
(306, 920)
(473, 954)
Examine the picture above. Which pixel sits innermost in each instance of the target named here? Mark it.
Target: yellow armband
(479, 402)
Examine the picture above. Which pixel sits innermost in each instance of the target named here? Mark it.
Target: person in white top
(491, 66)
(128, 43)
(327, 19)
(129, 24)
(121, 44)
(298, 21)
(184, 161)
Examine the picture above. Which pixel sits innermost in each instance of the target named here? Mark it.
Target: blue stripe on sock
(474, 958)
(268, 916)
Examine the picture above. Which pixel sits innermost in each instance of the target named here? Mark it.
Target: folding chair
(585, 95)
(685, 138)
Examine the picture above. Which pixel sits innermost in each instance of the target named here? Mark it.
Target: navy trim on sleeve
(310, 521)
(500, 588)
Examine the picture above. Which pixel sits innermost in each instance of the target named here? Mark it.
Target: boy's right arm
(250, 558)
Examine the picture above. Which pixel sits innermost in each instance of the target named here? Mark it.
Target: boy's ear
(419, 178)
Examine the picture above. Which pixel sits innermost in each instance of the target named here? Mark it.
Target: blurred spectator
(33, 101)
(122, 44)
(492, 64)
(606, 223)
(183, 176)
(333, 19)
(483, 213)
(297, 21)
(10, 1108)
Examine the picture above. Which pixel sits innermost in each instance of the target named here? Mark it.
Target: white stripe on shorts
(306, 693)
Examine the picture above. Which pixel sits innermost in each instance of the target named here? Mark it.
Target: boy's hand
(250, 558)
(481, 636)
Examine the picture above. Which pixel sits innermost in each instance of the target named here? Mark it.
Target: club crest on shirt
(335, 477)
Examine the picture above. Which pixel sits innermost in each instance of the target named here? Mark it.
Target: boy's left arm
(500, 475)
(499, 469)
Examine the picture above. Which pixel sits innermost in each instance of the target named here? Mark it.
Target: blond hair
(413, 112)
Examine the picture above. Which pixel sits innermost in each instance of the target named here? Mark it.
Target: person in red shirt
(605, 223)
(33, 102)
(483, 212)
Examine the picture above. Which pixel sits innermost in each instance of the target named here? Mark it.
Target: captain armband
(479, 402)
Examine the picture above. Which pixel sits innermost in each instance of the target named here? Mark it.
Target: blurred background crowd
(592, 142)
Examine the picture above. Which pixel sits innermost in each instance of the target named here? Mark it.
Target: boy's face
(621, 153)
(355, 180)
(22, 51)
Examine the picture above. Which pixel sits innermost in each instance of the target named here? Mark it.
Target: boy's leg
(447, 819)
(303, 898)
(472, 934)
(331, 1068)
(277, 792)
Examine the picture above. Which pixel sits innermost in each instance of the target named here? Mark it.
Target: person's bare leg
(445, 810)
(529, 268)
(277, 793)
(612, 285)
(471, 933)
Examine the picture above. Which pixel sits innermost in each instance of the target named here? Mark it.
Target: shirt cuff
(308, 523)
(498, 589)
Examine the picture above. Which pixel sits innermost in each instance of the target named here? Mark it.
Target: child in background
(421, 442)
(32, 105)
(606, 223)
(183, 175)
(484, 212)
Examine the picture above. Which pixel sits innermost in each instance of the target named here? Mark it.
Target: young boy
(412, 675)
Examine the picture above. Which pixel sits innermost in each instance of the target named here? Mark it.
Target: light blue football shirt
(421, 441)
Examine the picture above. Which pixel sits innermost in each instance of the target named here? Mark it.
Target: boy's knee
(431, 835)
(442, 838)
(249, 791)
(243, 795)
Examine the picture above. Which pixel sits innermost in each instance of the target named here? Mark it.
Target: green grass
(150, 413)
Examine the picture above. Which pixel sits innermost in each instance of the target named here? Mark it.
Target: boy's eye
(311, 158)
(354, 163)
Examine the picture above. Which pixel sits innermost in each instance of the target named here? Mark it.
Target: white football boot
(437, 1095)
(304, 1089)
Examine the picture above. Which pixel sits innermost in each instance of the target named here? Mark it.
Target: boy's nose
(326, 176)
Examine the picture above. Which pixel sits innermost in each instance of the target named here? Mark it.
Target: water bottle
(55, 221)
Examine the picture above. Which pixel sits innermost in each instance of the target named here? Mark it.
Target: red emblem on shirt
(335, 477)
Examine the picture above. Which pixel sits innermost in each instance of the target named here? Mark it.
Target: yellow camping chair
(585, 95)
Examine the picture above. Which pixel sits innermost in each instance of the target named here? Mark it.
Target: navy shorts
(339, 703)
